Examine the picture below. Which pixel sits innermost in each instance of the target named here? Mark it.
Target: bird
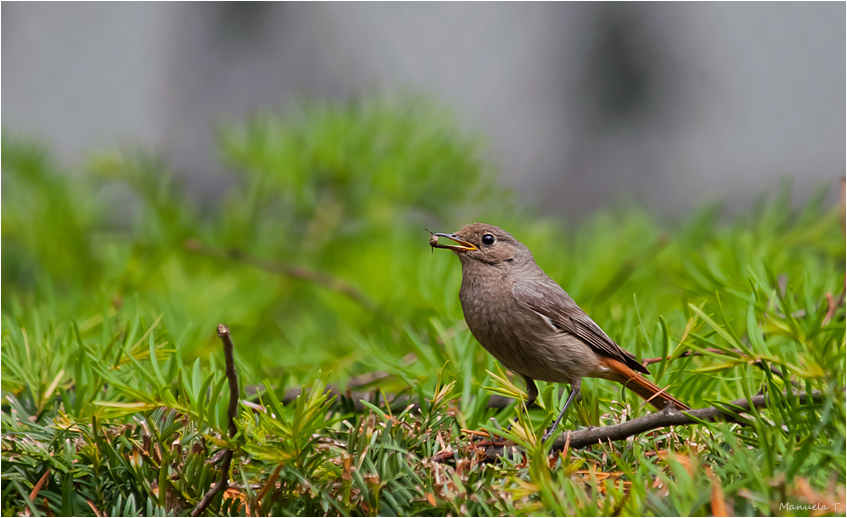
(530, 324)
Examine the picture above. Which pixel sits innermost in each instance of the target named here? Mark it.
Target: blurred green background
(114, 280)
(317, 257)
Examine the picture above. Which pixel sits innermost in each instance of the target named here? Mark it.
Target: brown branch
(288, 270)
(223, 483)
(220, 487)
(667, 417)
(231, 376)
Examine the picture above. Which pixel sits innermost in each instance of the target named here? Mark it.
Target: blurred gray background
(581, 103)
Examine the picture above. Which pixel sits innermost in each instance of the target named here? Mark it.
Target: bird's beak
(463, 246)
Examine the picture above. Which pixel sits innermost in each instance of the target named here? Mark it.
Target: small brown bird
(531, 325)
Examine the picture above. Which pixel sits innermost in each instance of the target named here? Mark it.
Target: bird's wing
(548, 300)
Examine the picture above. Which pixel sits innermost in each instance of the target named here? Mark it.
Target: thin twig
(231, 376)
(667, 417)
(223, 483)
(220, 487)
(288, 270)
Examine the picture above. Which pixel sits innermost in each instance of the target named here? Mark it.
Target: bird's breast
(487, 303)
(493, 317)
(521, 340)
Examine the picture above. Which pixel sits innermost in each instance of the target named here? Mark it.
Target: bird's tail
(645, 388)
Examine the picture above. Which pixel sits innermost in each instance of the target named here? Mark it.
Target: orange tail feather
(645, 388)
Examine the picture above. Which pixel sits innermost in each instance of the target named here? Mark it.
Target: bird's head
(485, 244)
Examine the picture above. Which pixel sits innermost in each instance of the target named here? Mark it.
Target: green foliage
(114, 397)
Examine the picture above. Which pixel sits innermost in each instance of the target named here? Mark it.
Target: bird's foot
(499, 439)
(547, 433)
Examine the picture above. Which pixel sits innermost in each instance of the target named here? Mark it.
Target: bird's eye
(487, 240)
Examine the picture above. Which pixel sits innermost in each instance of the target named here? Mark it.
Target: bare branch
(231, 376)
(223, 483)
(667, 417)
(220, 487)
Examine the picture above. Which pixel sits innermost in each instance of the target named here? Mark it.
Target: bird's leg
(531, 390)
(575, 386)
